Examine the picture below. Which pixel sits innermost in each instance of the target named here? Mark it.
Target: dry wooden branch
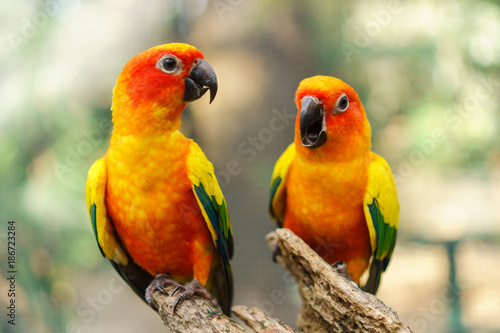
(257, 320)
(199, 315)
(330, 302)
(195, 315)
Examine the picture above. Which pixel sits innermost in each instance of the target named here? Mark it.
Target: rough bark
(330, 302)
(195, 315)
(257, 320)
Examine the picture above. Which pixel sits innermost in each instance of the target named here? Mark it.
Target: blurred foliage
(427, 73)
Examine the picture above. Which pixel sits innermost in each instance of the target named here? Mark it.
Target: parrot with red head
(155, 206)
(330, 189)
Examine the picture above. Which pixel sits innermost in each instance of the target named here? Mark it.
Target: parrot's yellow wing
(104, 230)
(277, 201)
(105, 233)
(213, 207)
(381, 209)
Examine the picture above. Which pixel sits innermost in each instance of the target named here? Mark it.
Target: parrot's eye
(168, 63)
(342, 103)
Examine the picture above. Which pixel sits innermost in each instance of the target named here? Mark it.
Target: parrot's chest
(153, 208)
(331, 193)
(325, 208)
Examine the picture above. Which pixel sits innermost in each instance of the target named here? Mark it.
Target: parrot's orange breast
(150, 200)
(324, 206)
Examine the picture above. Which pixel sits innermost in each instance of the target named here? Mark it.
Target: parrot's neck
(133, 150)
(145, 121)
(342, 150)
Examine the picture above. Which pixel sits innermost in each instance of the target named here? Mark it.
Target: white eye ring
(342, 103)
(169, 63)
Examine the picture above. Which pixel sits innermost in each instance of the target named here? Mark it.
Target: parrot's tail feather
(374, 277)
(137, 278)
(222, 287)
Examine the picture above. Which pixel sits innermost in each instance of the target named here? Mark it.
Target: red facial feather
(147, 98)
(347, 131)
(146, 83)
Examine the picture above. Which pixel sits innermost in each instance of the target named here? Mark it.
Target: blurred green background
(427, 73)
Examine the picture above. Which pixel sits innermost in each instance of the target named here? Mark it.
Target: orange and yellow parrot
(154, 203)
(330, 189)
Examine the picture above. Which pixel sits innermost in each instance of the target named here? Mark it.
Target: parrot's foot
(189, 290)
(276, 251)
(158, 284)
(341, 268)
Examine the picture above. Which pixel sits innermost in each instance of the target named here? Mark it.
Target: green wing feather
(213, 207)
(103, 228)
(277, 201)
(382, 217)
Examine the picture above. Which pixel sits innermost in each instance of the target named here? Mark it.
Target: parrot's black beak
(312, 123)
(201, 78)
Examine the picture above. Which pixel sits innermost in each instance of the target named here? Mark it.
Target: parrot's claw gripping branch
(276, 252)
(190, 289)
(158, 284)
(194, 314)
(330, 302)
(198, 314)
(184, 292)
(341, 268)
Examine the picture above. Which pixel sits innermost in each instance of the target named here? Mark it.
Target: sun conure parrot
(330, 189)
(155, 205)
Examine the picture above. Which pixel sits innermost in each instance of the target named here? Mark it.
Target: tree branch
(330, 302)
(257, 320)
(195, 314)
